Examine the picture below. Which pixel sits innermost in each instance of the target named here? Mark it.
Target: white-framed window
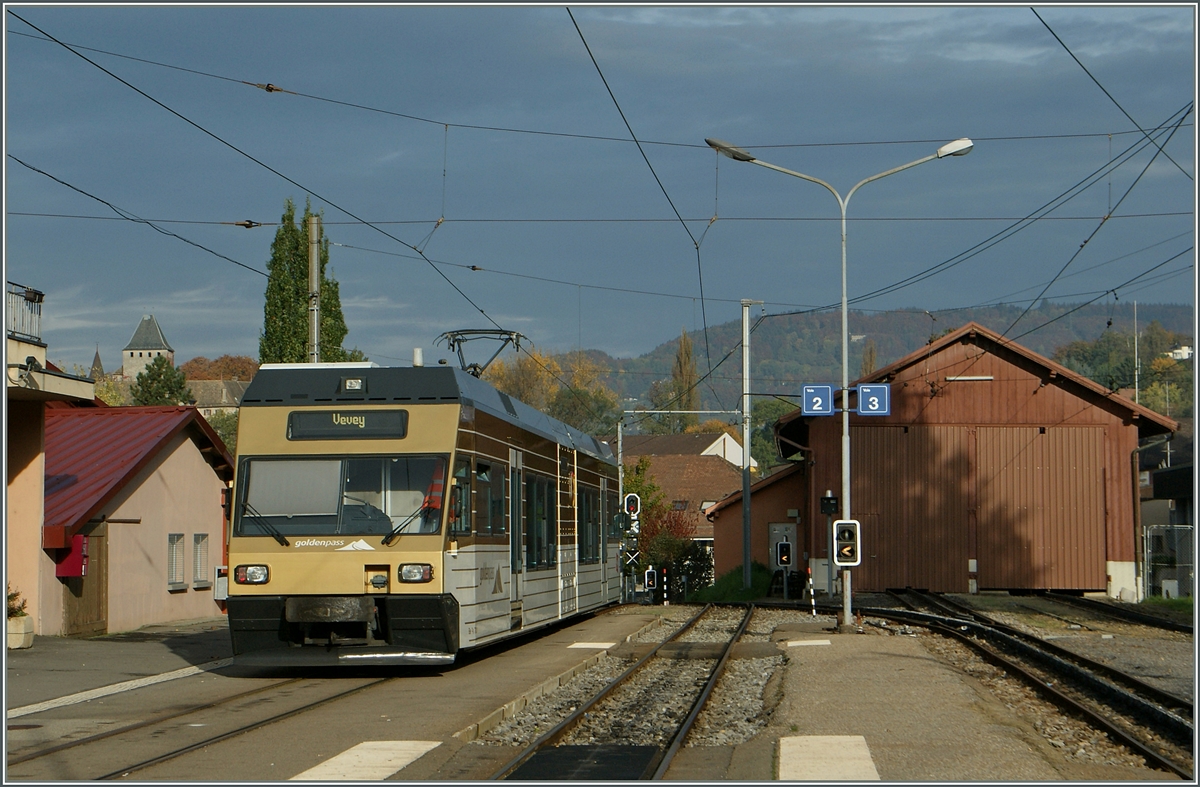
(175, 558)
(200, 578)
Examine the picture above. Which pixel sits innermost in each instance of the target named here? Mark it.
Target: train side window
(460, 499)
(489, 499)
(541, 539)
(589, 526)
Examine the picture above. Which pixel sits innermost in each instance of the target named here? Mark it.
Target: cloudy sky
(555, 223)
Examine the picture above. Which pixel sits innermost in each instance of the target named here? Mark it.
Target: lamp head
(959, 147)
(725, 149)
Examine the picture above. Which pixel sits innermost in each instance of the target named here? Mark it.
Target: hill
(788, 351)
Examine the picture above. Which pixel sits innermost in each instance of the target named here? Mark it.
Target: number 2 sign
(817, 400)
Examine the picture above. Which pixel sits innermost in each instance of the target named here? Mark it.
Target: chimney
(418, 357)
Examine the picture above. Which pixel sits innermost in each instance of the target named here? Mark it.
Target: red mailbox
(72, 561)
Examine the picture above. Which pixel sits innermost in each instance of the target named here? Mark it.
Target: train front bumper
(376, 629)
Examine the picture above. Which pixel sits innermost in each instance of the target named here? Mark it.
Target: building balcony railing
(23, 313)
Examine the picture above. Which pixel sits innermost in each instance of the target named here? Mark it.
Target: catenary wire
(128, 216)
(271, 88)
(1110, 95)
(1095, 231)
(625, 120)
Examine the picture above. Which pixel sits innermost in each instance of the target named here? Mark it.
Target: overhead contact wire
(1116, 103)
(265, 166)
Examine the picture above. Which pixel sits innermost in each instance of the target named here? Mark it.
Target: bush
(729, 587)
(16, 604)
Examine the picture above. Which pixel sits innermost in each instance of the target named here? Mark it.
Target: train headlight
(251, 575)
(415, 572)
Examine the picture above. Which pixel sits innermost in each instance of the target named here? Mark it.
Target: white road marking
(795, 643)
(116, 688)
(822, 758)
(593, 645)
(368, 761)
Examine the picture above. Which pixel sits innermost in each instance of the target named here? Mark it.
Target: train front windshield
(347, 495)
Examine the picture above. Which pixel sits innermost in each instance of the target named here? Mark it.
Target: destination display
(348, 425)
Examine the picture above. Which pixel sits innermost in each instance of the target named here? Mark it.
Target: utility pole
(314, 289)
(746, 304)
(1137, 366)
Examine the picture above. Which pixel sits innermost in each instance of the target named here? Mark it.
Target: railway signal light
(783, 553)
(846, 543)
(651, 578)
(633, 505)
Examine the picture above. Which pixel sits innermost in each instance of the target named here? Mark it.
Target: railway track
(1156, 724)
(176, 734)
(1116, 612)
(633, 726)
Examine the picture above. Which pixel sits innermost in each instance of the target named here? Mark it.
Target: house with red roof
(32, 383)
(693, 471)
(134, 519)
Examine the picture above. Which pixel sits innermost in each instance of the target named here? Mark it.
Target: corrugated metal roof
(91, 453)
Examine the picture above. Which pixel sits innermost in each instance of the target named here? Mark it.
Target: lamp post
(959, 147)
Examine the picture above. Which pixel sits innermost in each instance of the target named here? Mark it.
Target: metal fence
(1170, 566)
(23, 312)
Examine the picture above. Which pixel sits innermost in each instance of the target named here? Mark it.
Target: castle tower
(147, 344)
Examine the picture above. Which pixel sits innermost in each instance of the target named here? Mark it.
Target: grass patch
(730, 586)
(1182, 605)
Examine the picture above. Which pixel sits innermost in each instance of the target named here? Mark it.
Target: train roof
(323, 384)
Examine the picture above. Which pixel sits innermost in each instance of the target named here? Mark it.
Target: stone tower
(147, 344)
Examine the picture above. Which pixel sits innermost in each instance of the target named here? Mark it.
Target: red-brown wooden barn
(997, 468)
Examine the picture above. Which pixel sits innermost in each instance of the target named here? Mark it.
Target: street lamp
(959, 147)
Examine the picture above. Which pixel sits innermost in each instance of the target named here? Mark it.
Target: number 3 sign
(874, 400)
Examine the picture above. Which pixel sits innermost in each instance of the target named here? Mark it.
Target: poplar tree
(284, 336)
(681, 392)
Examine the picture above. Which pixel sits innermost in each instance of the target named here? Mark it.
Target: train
(399, 515)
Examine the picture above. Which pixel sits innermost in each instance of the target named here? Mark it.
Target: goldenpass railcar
(397, 515)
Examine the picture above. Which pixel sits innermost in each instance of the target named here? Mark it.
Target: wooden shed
(997, 468)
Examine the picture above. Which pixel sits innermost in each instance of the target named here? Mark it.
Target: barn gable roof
(1149, 422)
(92, 453)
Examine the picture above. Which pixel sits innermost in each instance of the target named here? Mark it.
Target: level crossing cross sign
(631, 557)
(816, 400)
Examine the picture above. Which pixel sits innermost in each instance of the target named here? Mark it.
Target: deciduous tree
(227, 367)
(531, 378)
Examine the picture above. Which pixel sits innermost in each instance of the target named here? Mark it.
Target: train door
(516, 535)
(602, 537)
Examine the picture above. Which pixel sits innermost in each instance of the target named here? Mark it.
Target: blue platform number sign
(874, 400)
(817, 400)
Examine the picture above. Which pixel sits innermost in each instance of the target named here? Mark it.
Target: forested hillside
(788, 351)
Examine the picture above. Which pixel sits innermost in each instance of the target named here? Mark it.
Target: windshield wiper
(390, 537)
(264, 523)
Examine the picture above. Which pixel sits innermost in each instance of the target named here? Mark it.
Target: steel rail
(1063, 700)
(234, 733)
(1127, 681)
(1120, 613)
(697, 706)
(959, 628)
(146, 723)
(553, 735)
